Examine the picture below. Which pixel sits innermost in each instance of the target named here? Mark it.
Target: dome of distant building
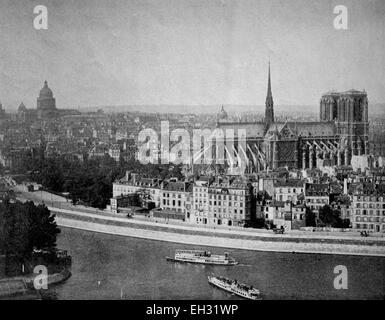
(223, 114)
(46, 104)
(22, 107)
(46, 92)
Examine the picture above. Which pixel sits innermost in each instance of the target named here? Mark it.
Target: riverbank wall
(246, 240)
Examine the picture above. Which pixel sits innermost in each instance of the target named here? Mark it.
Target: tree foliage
(90, 182)
(24, 226)
(332, 218)
(310, 218)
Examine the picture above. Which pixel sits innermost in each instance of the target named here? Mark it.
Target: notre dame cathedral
(340, 133)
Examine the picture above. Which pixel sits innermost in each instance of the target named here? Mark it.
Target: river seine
(114, 267)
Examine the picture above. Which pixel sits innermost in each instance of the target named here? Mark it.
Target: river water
(115, 267)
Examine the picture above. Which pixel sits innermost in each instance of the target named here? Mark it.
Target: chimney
(345, 186)
(127, 175)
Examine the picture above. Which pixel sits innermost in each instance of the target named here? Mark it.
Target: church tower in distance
(269, 110)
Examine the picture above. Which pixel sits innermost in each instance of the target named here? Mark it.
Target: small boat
(235, 287)
(202, 257)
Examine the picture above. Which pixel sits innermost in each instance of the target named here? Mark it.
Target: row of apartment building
(368, 206)
(237, 201)
(206, 201)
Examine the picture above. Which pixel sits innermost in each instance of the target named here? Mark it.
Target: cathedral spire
(269, 94)
(269, 110)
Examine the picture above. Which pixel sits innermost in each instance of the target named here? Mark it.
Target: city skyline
(182, 150)
(189, 53)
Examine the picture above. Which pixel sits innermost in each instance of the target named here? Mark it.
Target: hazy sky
(112, 52)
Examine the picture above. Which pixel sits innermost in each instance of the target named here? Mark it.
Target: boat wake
(244, 265)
